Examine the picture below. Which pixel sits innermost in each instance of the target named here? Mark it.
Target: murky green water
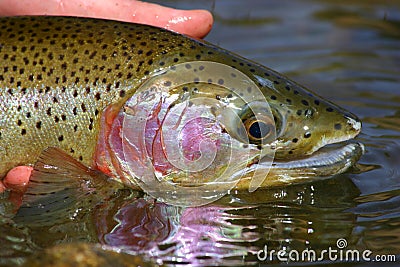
(348, 52)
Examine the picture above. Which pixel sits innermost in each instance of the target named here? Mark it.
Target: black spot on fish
(295, 140)
(299, 112)
(23, 132)
(338, 126)
(91, 124)
(122, 93)
(304, 102)
(220, 81)
(329, 109)
(39, 125)
(273, 97)
(316, 102)
(61, 138)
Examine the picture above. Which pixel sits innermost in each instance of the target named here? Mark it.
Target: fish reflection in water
(195, 235)
(231, 231)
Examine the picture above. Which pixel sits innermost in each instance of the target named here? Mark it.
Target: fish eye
(259, 128)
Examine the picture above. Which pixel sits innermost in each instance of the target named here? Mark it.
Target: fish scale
(59, 74)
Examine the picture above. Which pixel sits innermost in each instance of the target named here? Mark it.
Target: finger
(196, 23)
(17, 179)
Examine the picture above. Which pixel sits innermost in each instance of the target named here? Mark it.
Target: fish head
(203, 125)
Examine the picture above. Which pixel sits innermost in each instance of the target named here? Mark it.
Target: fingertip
(195, 23)
(18, 177)
(203, 21)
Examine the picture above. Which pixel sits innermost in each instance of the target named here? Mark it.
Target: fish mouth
(328, 161)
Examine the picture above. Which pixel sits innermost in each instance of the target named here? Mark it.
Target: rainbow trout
(141, 103)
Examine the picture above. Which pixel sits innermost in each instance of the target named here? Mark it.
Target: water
(346, 51)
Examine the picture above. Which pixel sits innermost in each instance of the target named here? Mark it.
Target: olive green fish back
(58, 74)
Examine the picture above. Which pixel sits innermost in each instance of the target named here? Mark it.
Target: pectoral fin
(62, 188)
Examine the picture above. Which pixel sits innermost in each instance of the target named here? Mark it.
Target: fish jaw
(324, 163)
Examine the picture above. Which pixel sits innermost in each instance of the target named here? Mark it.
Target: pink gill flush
(186, 139)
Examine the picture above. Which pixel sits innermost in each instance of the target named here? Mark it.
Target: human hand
(195, 23)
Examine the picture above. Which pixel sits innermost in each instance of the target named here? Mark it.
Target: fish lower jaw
(329, 160)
